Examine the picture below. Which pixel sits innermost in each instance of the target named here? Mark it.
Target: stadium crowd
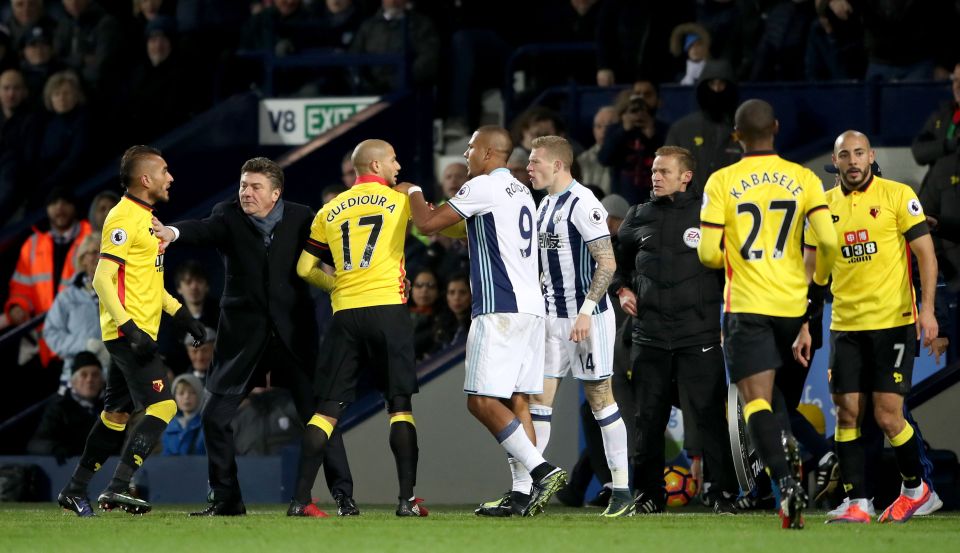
(80, 79)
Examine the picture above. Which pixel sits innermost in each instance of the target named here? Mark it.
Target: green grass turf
(44, 527)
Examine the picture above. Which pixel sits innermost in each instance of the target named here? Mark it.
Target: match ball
(680, 485)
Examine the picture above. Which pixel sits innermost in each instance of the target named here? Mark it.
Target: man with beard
(708, 133)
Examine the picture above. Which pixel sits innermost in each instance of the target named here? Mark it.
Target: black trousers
(698, 373)
(220, 409)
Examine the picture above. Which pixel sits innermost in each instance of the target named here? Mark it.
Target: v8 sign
(297, 121)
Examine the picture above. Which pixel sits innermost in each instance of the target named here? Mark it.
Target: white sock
(522, 481)
(515, 441)
(912, 493)
(614, 434)
(541, 415)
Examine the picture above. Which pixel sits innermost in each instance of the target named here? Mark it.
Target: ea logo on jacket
(691, 237)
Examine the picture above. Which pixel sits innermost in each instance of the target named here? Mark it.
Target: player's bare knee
(599, 394)
(889, 420)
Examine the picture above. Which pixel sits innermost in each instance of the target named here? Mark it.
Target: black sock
(102, 442)
(540, 471)
(853, 462)
(765, 433)
(311, 457)
(908, 461)
(403, 443)
(145, 436)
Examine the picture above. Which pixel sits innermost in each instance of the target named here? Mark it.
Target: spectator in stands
(628, 148)
(100, 205)
(184, 434)
(46, 263)
(201, 356)
(782, 46)
(339, 21)
(591, 170)
(453, 323)
(266, 422)
(940, 136)
(617, 209)
(424, 304)
(536, 122)
(73, 323)
(20, 131)
(283, 28)
(331, 191)
(633, 39)
(732, 26)
(193, 287)
(348, 174)
(396, 29)
(158, 97)
(39, 62)
(835, 49)
(24, 14)
(708, 132)
(68, 418)
(453, 178)
(691, 43)
(66, 135)
(905, 40)
(90, 41)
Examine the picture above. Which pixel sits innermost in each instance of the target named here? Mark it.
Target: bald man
(875, 322)
(505, 345)
(358, 237)
(756, 209)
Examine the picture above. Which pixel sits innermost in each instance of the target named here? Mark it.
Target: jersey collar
(499, 170)
(760, 153)
(368, 178)
(138, 201)
(565, 190)
(862, 189)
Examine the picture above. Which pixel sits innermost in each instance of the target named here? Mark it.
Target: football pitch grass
(38, 527)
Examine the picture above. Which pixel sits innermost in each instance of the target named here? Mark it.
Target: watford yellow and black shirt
(128, 240)
(761, 202)
(872, 285)
(364, 230)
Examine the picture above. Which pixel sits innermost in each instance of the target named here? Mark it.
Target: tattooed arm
(602, 252)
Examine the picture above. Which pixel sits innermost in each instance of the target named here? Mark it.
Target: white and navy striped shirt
(566, 223)
(503, 244)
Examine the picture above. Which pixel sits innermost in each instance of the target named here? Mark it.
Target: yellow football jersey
(872, 285)
(128, 240)
(761, 202)
(364, 229)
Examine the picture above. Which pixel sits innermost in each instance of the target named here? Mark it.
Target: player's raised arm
(428, 221)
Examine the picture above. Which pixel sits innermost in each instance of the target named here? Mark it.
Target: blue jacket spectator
(73, 321)
(184, 435)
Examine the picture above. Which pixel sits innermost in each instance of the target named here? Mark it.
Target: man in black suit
(267, 323)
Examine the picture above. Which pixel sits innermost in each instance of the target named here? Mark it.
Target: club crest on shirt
(158, 385)
(914, 208)
(557, 217)
(691, 237)
(118, 236)
(875, 211)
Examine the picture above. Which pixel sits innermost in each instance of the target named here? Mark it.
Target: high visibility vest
(31, 286)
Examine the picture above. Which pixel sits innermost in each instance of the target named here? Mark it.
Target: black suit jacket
(262, 293)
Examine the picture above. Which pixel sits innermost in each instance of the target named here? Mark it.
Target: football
(680, 485)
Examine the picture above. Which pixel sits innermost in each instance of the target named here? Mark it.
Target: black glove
(815, 294)
(144, 347)
(193, 326)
